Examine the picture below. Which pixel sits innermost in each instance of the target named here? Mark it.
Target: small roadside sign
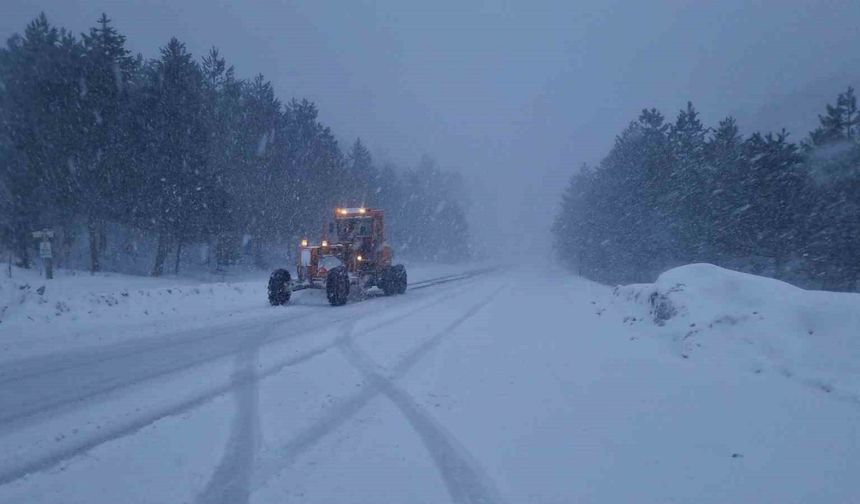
(45, 250)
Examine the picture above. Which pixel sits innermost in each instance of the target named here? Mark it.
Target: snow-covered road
(506, 386)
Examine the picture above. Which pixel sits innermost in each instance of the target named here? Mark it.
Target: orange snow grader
(352, 256)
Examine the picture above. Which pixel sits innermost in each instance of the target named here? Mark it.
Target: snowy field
(507, 386)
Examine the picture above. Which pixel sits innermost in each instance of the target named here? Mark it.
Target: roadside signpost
(45, 251)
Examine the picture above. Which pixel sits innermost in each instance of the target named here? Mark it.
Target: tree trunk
(849, 282)
(93, 230)
(178, 257)
(579, 261)
(779, 265)
(22, 251)
(102, 238)
(257, 252)
(64, 246)
(160, 254)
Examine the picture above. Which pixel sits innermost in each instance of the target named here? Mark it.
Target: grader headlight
(304, 242)
(324, 243)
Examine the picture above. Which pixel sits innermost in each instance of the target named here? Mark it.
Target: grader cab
(351, 256)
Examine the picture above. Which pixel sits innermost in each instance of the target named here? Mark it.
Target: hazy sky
(515, 95)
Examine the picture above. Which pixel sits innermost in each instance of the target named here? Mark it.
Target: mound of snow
(813, 336)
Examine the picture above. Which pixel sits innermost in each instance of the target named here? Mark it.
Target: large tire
(394, 280)
(401, 279)
(337, 286)
(279, 287)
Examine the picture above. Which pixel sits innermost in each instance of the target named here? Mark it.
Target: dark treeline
(115, 151)
(674, 193)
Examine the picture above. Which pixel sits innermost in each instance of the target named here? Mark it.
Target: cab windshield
(358, 227)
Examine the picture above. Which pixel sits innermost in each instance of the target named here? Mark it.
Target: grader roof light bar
(349, 211)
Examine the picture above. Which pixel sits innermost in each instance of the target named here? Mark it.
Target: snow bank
(29, 300)
(813, 336)
(79, 309)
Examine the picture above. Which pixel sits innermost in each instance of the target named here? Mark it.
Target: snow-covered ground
(76, 309)
(508, 386)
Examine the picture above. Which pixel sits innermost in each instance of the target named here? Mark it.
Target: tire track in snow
(91, 386)
(42, 462)
(230, 483)
(28, 367)
(285, 455)
(465, 480)
(18, 468)
(140, 360)
(46, 461)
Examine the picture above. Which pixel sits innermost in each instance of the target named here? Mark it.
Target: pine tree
(41, 111)
(778, 184)
(390, 195)
(361, 171)
(634, 183)
(688, 183)
(177, 140)
(316, 169)
(832, 233)
(840, 122)
(107, 69)
(433, 212)
(223, 110)
(575, 230)
(261, 182)
(729, 198)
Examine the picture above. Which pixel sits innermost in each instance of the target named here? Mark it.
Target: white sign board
(47, 233)
(45, 250)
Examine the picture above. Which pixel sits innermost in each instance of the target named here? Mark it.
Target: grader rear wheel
(394, 280)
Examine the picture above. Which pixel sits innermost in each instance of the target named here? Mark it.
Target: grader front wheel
(337, 286)
(279, 287)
